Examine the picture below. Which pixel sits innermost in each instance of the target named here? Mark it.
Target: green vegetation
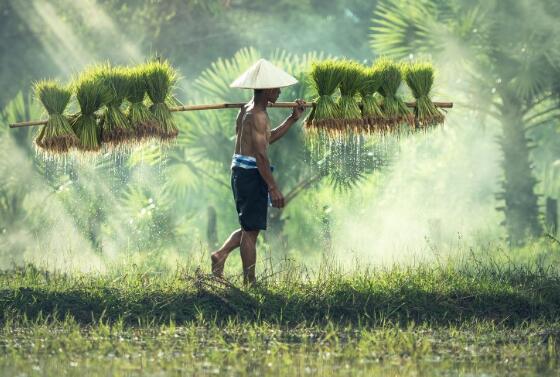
(341, 118)
(139, 116)
(478, 317)
(371, 111)
(500, 79)
(394, 108)
(116, 129)
(57, 135)
(325, 79)
(92, 94)
(108, 86)
(509, 294)
(202, 348)
(161, 77)
(349, 116)
(419, 77)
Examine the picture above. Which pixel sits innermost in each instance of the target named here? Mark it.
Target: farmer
(254, 187)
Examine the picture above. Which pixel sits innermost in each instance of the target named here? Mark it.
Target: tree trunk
(212, 229)
(275, 235)
(551, 215)
(520, 201)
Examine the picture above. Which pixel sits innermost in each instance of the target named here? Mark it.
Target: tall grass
(395, 110)
(430, 294)
(325, 78)
(57, 135)
(116, 130)
(419, 77)
(205, 347)
(349, 115)
(92, 94)
(141, 119)
(371, 111)
(161, 78)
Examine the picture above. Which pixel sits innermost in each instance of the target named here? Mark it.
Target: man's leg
(219, 257)
(249, 255)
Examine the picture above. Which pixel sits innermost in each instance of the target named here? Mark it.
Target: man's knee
(250, 235)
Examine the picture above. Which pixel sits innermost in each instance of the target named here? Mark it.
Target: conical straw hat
(263, 75)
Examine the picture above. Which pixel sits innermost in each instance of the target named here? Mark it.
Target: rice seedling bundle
(419, 77)
(116, 129)
(348, 113)
(92, 94)
(57, 135)
(394, 108)
(371, 111)
(325, 79)
(160, 79)
(139, 116)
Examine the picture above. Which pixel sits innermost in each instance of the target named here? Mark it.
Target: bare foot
(217, 264)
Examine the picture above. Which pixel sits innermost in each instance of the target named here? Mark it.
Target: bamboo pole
(217, 106)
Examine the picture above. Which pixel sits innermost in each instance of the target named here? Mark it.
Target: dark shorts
(250, 192)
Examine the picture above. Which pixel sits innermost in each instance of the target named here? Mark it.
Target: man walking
(252, 183)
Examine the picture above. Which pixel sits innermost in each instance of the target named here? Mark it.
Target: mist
(438, 196)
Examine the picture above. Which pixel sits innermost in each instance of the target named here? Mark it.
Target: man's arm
(281, 130)
(260, 145)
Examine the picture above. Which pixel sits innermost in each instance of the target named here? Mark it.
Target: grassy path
(434, 295)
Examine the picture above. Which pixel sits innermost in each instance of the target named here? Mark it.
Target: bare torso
(245, 127)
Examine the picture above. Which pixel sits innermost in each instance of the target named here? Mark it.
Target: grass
(371, 111)
(57, 135)
(325, 78)
(139, 116)
(419, 77)
(394, 108)
(442, 295)
(202, 348)
(161, 77)
(91, 94)
(116, 129)
(349, 115)
(479, 319)
(105, 87)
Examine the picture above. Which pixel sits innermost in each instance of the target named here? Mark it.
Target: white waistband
(242, 161)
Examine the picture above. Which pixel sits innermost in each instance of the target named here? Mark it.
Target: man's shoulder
(258, 116)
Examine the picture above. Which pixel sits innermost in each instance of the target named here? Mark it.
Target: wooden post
(551, 216)
(217, 106)
(212, 229)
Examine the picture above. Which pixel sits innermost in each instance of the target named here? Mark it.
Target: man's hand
(276, 197)
(299, 109)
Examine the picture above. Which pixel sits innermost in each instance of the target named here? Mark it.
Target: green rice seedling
(57, 135)
(325, 79)
(160, 80)
(371, 111)
(139, 116)
(419, 77)
(92, 94)
(394, 108)
(349, 115)
(116, 129)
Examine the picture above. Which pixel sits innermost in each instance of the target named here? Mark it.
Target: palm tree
(508, 54)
